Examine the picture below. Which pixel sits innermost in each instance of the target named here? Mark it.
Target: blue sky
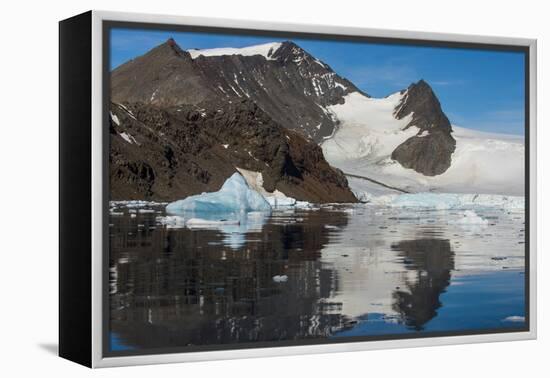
(477, 89)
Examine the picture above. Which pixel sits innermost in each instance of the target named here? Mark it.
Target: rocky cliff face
(173, 152)
(429, 152)
(288, 84)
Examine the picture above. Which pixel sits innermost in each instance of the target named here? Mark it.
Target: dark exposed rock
(429, 152)
(171, 153)
(165, 75)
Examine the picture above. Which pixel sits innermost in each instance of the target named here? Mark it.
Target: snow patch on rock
(266, 50)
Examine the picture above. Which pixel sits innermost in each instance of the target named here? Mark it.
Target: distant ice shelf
(446, 201)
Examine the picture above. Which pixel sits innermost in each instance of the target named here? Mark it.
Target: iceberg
(235, 196)
(276, 199)
(234, 210)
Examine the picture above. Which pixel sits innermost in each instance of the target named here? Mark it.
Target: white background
(29, 189)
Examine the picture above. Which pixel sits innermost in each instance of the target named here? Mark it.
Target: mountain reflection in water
(344, 272)
(432, 261)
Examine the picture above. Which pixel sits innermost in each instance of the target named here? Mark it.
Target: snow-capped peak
(267, 50)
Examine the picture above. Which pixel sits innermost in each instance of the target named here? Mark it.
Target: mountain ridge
(293, 87)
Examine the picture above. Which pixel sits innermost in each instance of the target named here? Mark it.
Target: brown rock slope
(290, 85)
(170, 153)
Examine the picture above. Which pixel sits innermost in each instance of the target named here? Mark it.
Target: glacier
(369, 132)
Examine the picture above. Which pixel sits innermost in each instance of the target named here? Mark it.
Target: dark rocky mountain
(429, 152)
(166, 75)
(170, 153)
(287, 83)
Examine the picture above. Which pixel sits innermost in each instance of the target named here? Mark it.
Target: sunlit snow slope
(369, 132)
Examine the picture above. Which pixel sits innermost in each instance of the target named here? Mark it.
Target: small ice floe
(133, 215)
(145, 211)
(116, 213)
(304, 205)
(469, 217)
(198, 222)
(280, 201)
(171, 221)
(280, 278)
(135, 203)
(514, 319)
(331, 227)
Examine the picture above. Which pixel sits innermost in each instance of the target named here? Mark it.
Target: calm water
(333, 272)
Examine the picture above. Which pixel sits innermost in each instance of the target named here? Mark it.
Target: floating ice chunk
(470, 217)
(172, 221)
(280, 201)
(198, 222)
(235, 196)
(514, 319)
(280, 278)
(136, 203)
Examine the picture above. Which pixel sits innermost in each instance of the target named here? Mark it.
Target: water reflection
(432, 261)
(193, 290)
(346, 273)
